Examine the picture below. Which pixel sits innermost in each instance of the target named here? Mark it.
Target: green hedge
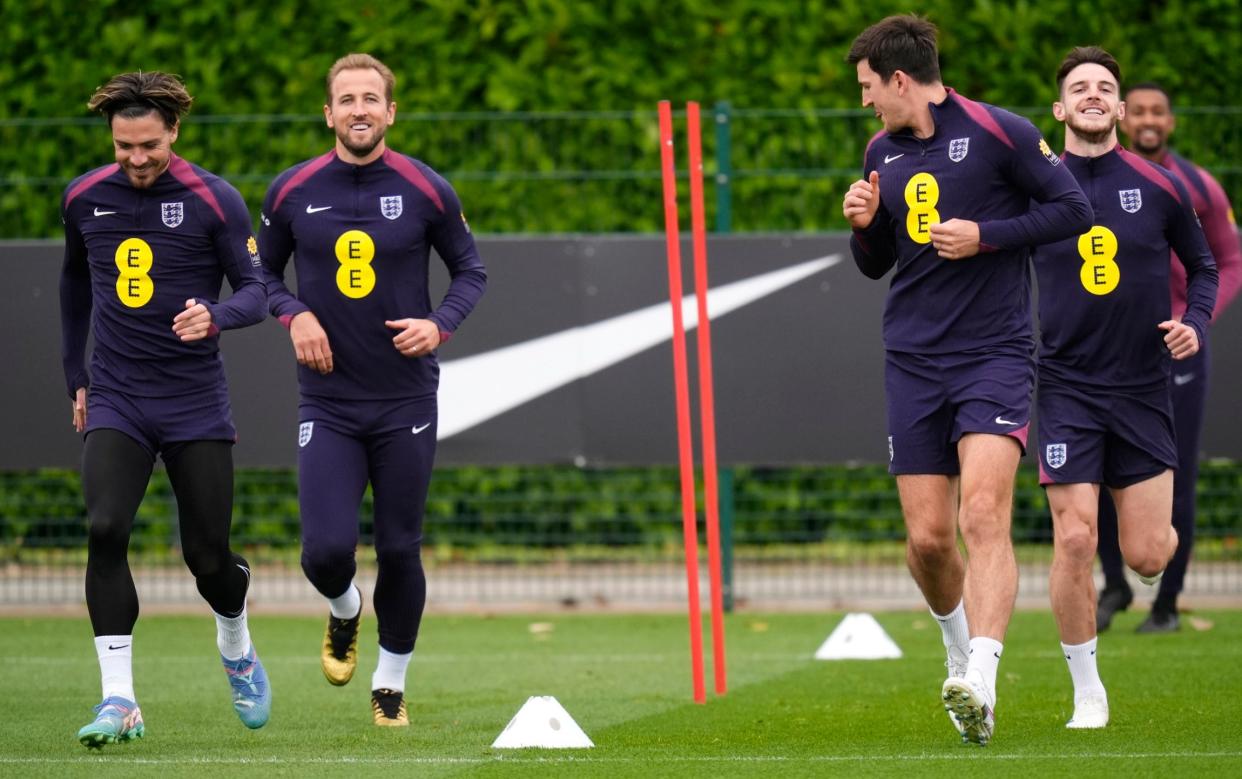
(245, 58)
(562, 507)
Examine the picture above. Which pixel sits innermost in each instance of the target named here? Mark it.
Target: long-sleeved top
(1103, 293)
(1216, 216)
(985, 165)
(132, 259)
(361, 237)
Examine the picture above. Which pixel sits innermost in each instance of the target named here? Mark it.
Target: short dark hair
(131, 95)
(362, 62)
(1087, 55)
(1150, 85)
(905, 42)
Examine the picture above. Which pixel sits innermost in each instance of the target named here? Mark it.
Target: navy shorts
(156, 422)
(366, 418)
(934, 400)
(1090, 436)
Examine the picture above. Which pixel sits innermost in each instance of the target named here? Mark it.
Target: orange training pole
(707, 404)
(681, 382)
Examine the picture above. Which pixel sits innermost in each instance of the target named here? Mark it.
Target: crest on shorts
(1131, 200)
(304, 433)
(390, 206)
(172, 213)
(1054, 455)
(958, 147)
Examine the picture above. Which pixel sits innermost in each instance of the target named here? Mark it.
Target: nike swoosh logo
(114, 648)
(419, 428)
(103, 213)
(1183, 378)
(533, 368)
(313, 210)
(1002, 421)
(888, 159)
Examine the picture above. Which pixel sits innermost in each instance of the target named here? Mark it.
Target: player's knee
(931, 548)
(206, 563)
(405, 553)
(1075, 541)
(108, 534)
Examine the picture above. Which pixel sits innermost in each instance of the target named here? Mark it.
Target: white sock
(955, 632)
(233, 636)
(346, 606)
(1083, 669)
(116, 665)
(985, 655)
(390, 671)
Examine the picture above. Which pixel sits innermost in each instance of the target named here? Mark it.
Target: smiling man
(148, 242)
(1108, 339)
(954, 193)
(360, 222)
(1149, 121)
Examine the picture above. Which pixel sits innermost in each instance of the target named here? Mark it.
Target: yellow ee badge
(1099, 273)
(1046, 150)
(134, 260)
(354, 251)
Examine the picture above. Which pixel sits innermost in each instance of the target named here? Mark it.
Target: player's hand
(310, 342)
(862, 201)
(193, 324)
(1180, 339)
(79, 410)
(418, 337)
(955, 239)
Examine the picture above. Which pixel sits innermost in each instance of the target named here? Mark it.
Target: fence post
(724, 168)
(725, 487)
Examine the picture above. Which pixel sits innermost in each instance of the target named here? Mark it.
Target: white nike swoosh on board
(888, 159)
(102, 213)
(527, 370)
(312, 210)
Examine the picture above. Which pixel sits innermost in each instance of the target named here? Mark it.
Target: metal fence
(551, 171)
(545, 538)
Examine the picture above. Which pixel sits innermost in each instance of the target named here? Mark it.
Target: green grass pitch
(1176, 701)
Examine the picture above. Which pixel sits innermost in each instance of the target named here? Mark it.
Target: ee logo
(354, 251)
(1098, 248)
(134, 258)
(922, 195)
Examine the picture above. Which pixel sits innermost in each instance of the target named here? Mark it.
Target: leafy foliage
(562, 507)
(558, 172)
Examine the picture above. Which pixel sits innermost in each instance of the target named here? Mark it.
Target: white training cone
(542, 722)
(858, 637)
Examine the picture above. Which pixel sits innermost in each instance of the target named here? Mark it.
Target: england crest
(390, 206)
(1054, 455)
(304, 433)
(172, 213)
(1131, 200)
(958, 148)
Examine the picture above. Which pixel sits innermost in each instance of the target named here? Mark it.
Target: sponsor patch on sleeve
(252, 246)
(1046, 150)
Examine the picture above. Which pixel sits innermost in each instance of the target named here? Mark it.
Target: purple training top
(1102, 293)
(361, 236)
(132, 259)
(981, 164)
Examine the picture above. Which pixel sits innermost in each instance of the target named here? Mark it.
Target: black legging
(115, 472)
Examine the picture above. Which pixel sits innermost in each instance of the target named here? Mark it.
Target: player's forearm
(1202, 281)
(874, 252)
(1222, 237)
(463, 294)
(1067, 215)
(75, 322)
(246, 306)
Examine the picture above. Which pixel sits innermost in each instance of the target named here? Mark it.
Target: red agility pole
(681, 384)
(707, 403)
